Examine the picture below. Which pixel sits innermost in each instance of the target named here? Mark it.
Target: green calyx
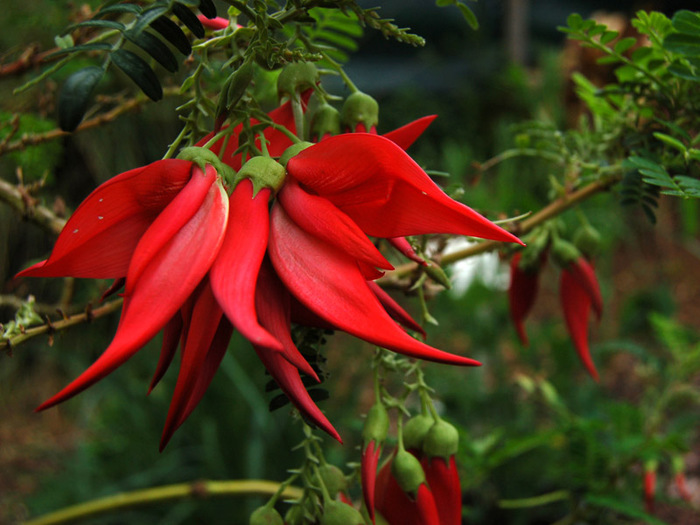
(564, 253)
(415, 430)
(265, 516)
(442, 440)
(264, 172)
(203, 156)
(587, 240)
(339, 513)
(293, 150)
(360, 108)
(437, 274)
(295, 78)
(376, 425)
(333, 479)
(407, 471)
(325, 121)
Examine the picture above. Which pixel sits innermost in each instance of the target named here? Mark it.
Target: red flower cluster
(200, 255)
(579, 294)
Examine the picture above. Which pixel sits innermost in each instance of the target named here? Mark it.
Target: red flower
(195, 261)
(521, 294)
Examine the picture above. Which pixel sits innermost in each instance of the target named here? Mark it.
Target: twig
(548, 212)
(103, 118)
(52, 326)
(44, 217)
(196, 489)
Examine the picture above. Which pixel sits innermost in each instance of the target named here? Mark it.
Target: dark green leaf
(623, 508)
(154, 47)
(682, 71)
(75, 96)
(574, 21)
(688, 45)
(95, 46)
(119, 9)
(278, 402)
(188, 18)
(608, 59)
(103, 24)
(140, 72)
(173, 34)
(148, 17)
(686, 22)
(207, 8)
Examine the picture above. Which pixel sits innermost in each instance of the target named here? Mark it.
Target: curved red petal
(100, 237)
(322, 219)
(384, 191)
(173, 218)
(522, 292)
(204, 322)
(406, 135)
(392, 502)
(370, 460)
(583, 271)
(160, 290)
(576, 303)
(171, 339)
(273, 304)
(330, 284)
(402, 245)
(443, 479)
(427, 509)
(287, 377)
(393, 308)
(234, 273)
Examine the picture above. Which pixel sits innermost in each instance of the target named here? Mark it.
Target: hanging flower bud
(650, 485)
(679, 478)
(296, 78)
(440, 446)
(569, 258)
(232, 91)
(409, 474)
(522, 292)
(402, 245)
(415, 430)
(264, 172)
(265, 516)
(339, 513)
(325, 122)
(587, 240)
(333, 479)
(360, 113)
(373, 435)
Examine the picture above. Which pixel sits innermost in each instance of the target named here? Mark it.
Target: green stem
(535, 501)
(196, 489)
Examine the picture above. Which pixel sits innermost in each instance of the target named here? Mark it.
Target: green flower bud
(339, 513)
(442, 440)
(265, 516)
(232, 91)
(325, 121)
(360, 108)
(264, 172)
(564, 253)
(294, 515)
(407, 471)
(587, 239)
(415, 430)
(293, 150)
(376, 425)
(333, 479)
(437, 274)
(295, 78)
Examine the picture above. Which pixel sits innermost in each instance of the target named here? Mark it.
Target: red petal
(206, 316)
(100, 237)
(392, 502)
(427, 509)
(576, 304)
(406, 135)
(235, 271)
(522, 293)
(582, 270)
(330, 284)
(287, 377)
(272, 301)
(370, 460)
(162, 287)
(384, 191)
(393, 308)
(171, 338)
(444, 483)
(402, 245)
(320, 218)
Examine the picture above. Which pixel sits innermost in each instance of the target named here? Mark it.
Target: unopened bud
(339, 513)
(415, 430)
(295, 78)
(360, 108)
(264, 172)
(564, 253)
(407, 471)
(442, 440)
(265, 516)
(325, 121)
(333, 479)
(587, 239)
(376, 425)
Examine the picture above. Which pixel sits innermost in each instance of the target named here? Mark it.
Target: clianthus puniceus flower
(201, 253)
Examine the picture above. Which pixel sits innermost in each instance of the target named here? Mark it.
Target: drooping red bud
(650, 485)
(576, 305)
(373, 434)
(524, 284)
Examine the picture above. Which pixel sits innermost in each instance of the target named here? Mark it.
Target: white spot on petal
(100, 217)
(75, 231)
(100, 200)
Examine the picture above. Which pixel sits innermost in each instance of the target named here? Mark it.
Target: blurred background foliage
(532, 422)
